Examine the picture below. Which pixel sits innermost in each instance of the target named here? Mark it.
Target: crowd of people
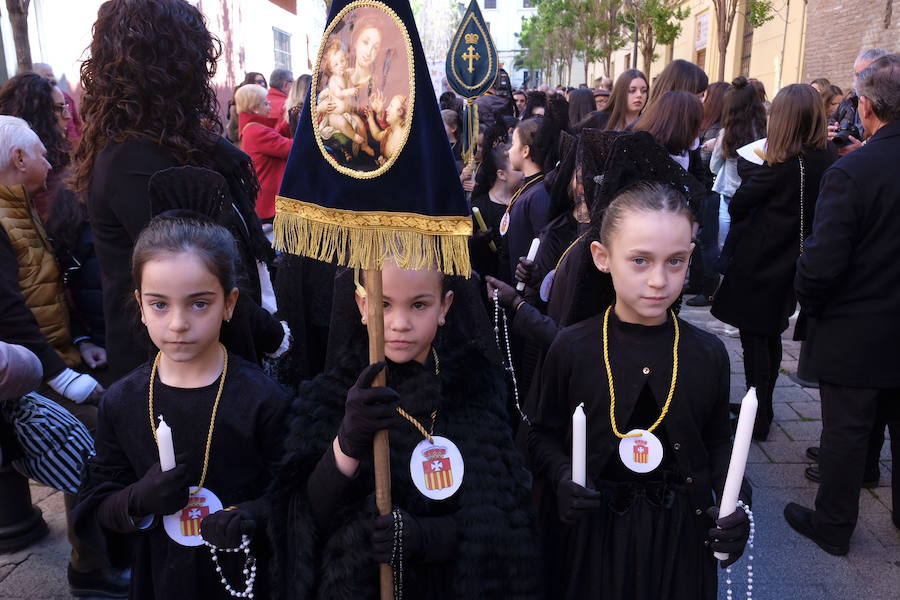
(139, 284)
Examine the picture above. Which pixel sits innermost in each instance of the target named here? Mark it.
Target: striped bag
(55, 445)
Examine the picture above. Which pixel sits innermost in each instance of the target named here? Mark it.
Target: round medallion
(437, 469)
(363, 89)
(641, 453)
(504, 224)
(547, 285)
(184, 526)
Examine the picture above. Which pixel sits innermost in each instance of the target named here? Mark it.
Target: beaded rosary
(397, 554)
(249, 567)
(507, 358)
(729, 594)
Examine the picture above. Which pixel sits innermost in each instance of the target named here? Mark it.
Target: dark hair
(828, 93)
(251, 78)
(534, 99)
(581, 104)
(743, 117)
(30, 97)
(796, 123)
(644, 196)
(713, 104)
(760, 89)
(823, 81)
(179, 231)
(673, 121)
(617, 106)
(679, 75)
(148, 76)
(492, 160)
(541, 135)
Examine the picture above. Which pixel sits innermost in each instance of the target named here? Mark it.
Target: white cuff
(286, 342)
(73, 385)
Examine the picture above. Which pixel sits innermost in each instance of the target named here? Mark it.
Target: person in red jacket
(268, 148)
(280, 82)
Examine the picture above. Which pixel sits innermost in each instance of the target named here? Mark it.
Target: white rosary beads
(397, 554)
(507, 359)
(249, 568)
(729, 595)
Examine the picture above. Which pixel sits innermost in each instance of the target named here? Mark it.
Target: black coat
(494, 554)
(848, 280)
(757, 294)
(118, 203)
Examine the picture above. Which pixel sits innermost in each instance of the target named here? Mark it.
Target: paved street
(786, 566)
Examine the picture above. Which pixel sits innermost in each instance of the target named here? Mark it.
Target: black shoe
(700, 300)
(800, 520)
(812, 473)
(104, 583)
(813, 453)
(803, 382)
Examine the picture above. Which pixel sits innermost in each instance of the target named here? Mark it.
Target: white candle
(166, 448)
(532, 252)
(742, 438)
(579, 445)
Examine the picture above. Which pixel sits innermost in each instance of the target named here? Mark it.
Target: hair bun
(740, 82)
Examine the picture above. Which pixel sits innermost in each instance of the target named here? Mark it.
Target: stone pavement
(786, 565)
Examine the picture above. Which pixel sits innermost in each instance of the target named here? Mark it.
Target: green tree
(612, 35)
(757, 11)
(658, 22)
(548, 39)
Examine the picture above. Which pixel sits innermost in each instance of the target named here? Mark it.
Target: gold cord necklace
(521, 190)
(415, 422)
(612, 390)
(212, 420)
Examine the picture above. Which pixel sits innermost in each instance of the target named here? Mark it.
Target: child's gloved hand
(730, 535)
(368, 409)
(383, 538)
(160, 492)
(573, 501)
(225, 528)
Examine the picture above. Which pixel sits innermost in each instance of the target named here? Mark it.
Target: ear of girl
(415, 305)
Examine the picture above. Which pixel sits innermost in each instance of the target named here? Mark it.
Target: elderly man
(280, 82)
(848, 282)
(848, 109)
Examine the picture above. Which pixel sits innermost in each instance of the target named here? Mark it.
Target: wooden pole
(381, 451)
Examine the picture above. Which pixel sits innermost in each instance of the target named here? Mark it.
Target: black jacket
(848, 280)
(756, 294)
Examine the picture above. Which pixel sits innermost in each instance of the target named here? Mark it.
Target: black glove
(224, 529)
(160, 492)
(573, 500)
(383, 538)
(368, 409)
(506, 294)
(483, 237)
(731, 534)
(525, 272)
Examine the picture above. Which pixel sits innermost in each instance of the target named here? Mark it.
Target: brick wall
(838, 30)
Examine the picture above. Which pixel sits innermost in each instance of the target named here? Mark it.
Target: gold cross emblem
(471, 56)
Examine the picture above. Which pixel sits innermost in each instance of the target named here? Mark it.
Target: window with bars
(282, 49)
(527, 3)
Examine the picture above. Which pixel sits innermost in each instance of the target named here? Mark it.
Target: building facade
(504, 19)
(838, 30)
(256, 35)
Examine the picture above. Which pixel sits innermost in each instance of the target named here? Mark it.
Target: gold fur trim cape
(363, 239)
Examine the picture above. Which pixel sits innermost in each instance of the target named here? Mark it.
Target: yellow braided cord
(212, 420)
(612, 389)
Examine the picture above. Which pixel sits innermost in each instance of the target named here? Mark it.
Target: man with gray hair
(280, 82)
(847, 111)
(848, 283)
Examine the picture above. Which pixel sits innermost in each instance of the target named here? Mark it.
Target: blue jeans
(724, 219)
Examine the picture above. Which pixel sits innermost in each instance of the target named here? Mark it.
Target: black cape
(496, 548)
(245, 447)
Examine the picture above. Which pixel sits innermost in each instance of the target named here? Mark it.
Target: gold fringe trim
(364, 239)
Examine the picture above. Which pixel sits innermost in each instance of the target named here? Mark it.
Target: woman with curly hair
(148, 106)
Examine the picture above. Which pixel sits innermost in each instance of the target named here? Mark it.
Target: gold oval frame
(314, 86)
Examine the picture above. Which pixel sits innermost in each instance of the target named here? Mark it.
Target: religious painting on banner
(364, 89)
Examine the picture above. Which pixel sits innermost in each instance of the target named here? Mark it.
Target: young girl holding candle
(226, 419)
(462, 525)
(640, 525)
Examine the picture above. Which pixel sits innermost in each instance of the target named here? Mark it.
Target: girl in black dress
(226, 419)
(641, 524)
